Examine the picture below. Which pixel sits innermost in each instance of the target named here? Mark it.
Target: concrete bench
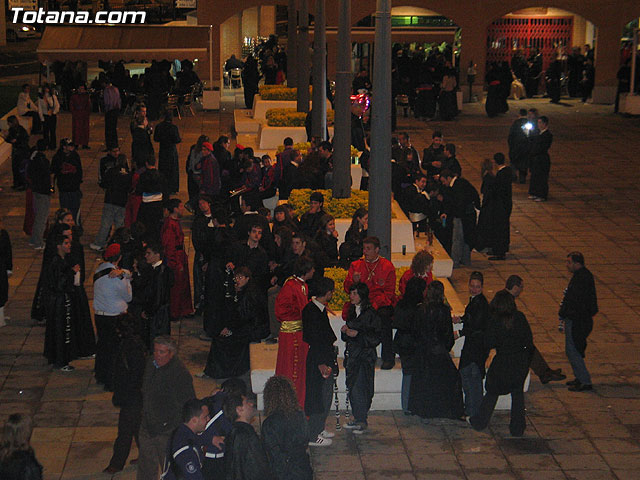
(5, 151)
(24, 121)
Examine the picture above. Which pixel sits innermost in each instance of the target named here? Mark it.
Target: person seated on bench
(419, 201)
(28, 108)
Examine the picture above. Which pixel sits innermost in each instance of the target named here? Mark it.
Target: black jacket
(369, 327)
(128, 372)
(580, 304)
(244, 457)
(68, 170)
(406, 319)
(285, 439)
(475, 322)
(117, 182)
(39, 175)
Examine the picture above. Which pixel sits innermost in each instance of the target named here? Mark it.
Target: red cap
(208, 146)
(111, 251)
(239, 147)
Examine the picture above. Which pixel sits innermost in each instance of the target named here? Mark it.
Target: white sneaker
(356, 428)
(321, 442)
(327, 434)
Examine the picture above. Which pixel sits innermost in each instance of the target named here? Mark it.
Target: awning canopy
(123, 42)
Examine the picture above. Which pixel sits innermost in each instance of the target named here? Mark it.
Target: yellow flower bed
(279, 92)
(290, 117)
(340, 297)
(336, 207)
(304, 147)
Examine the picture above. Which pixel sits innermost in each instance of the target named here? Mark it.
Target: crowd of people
(258, 275)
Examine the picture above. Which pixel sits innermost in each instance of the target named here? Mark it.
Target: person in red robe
(134, 200)
(80, 106)
(292, 350)
(380, 276)
(421, 266)
(176, 258)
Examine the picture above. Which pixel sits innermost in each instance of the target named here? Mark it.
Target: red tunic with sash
(408, 275)
(380, 277)
(292, 350)
(177, 260)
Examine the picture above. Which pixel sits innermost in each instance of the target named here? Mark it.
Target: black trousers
(538, 364)
(213, 468)
(106, 347)
(111, 127)
(317, 421)
(49, 131)
(517, 424)
(386, 314)
(17, 163)
(361, 390)
(128, 427)
(539, 183)
(36, 125)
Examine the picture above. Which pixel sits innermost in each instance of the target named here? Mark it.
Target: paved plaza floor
(594, 206)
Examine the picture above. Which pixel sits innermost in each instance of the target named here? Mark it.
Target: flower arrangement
(279, 92)
(304, 147)
(290, 117)
(336, 207)
(340, 297)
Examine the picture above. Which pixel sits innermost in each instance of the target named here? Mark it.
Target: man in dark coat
(502, 211)
(474, 354)
(67, 170)
(461, 202)
(321, 361)
(433, 156)
(519, 146)
(152, 186)
(244, 457)
(202, 233)
(310, 221)
(18, 137)
(166, 386)
(156, 310)
(249, 253)
(579, 305)
(167, 135)
(540, 162)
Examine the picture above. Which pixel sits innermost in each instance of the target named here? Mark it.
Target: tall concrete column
(607, 61)
(292, 44)
(319, 115)
(303, 57)
(380, 164)
(474, 48)
(342, 125)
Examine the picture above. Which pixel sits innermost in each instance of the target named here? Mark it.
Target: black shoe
(557, 375)
(574, 382)
(580, 388)
(497, 257)
(111, 470)
(388, 365)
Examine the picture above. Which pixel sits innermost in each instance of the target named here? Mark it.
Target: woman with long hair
(436, 390)
(285, 433)
(509, 333)
(193, 173)
(282, 218)
(327, 240)
(405, 317)
(362, 333)
(351, 249)
(17, 459)
(486, 228)
(421, 266)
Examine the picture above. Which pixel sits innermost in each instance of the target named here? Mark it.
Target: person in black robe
(540, 162)
(436, 390)
(493, 101)
(141, 146)
(152, 185)
(202, 231)
(244, 455)
(327, 241)
(450, 161)
(322, 366)
(243, 321)
(310, 222)
(157, 294)
(461, 202)
(554, 85)
(6, 267)
(519, 145)
(579, 305)
(61, 344)
(250, 78)
(474, 353)
(168, 136)
(362, 333)
(509, 333)
(406, 317)
(285, 432)
(588, 80)
(535, 72)
(493, 222)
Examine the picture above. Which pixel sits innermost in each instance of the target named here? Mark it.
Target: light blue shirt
(111, 295)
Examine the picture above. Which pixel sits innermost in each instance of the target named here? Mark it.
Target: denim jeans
(41, 205)
(460, 252)
(317, 421)
(472, 386)
(111, 215)
(575, 359)
(406, 389)
(517, 423)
